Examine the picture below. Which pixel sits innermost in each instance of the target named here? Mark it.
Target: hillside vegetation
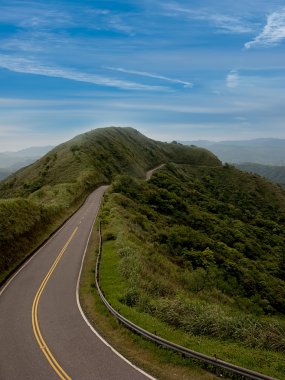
(36, 199)
(273, 173)
(202, 250)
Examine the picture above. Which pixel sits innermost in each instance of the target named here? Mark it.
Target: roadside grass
(21, 238)
(157, 361)
(114, 285)
(164, 270)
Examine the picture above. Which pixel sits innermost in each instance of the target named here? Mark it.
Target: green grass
(220, 229)
(195, 254)
(161, 363)
(114, 285)
(26, 223)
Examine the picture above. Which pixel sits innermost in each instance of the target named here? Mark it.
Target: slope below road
(43, 333)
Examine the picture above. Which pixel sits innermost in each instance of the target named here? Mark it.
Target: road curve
(150, 172)
(42, 332)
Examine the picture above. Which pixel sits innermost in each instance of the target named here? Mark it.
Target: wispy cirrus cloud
(221, 21)
(185, 84)
(37, 16)
(28, 66)
(34, 15)
(273, 32)
(35, 42)
(105, 19)
(232, 80)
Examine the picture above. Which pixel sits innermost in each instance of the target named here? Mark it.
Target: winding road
(43, 332)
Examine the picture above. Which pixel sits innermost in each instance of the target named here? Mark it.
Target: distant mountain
(34, 151)
(4, 173)
(262, 151)
(12, 161)
(273, 173)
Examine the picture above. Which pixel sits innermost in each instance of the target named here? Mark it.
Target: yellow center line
(35, 323)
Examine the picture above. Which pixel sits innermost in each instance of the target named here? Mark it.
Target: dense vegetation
(202, 249)
(273, 173)
(36, 199)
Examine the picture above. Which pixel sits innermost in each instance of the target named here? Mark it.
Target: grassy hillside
(273, 173)
(201, 249)
(36, 199)
(98, 156)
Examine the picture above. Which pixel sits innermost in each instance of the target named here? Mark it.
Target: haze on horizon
(172, 70)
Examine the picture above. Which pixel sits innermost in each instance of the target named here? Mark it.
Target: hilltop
(36, 199)
(98, 156)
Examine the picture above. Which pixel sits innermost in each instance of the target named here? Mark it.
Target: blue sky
(184, 70)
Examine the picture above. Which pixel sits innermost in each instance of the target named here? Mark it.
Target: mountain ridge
(12, 161)
(33, 151)
(103, 152)
(266, 151)
(273, 173)
(38, 198)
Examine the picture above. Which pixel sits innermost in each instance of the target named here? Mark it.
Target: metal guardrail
(230, 368)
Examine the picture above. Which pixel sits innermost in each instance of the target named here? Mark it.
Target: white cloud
(23, 65)
(232, 79)
(223, 22)
(273, 32)
(34, 15)
(194, 109)
(230, 24)
(151, 75)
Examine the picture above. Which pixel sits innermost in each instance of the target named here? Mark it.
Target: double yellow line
(37, 332)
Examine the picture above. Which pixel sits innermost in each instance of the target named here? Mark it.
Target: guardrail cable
(230, 368)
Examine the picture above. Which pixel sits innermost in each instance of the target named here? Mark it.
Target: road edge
(14, 273)
(92, 328)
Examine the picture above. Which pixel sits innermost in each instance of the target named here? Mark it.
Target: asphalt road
(43, 334)
(150, 172)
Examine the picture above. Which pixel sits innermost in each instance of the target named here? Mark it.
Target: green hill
(273, 173)
(98, 156)
(201, 249)
(37, 198)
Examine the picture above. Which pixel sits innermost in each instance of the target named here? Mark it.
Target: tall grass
(116, 287)
(26, 222)
(152, 279)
